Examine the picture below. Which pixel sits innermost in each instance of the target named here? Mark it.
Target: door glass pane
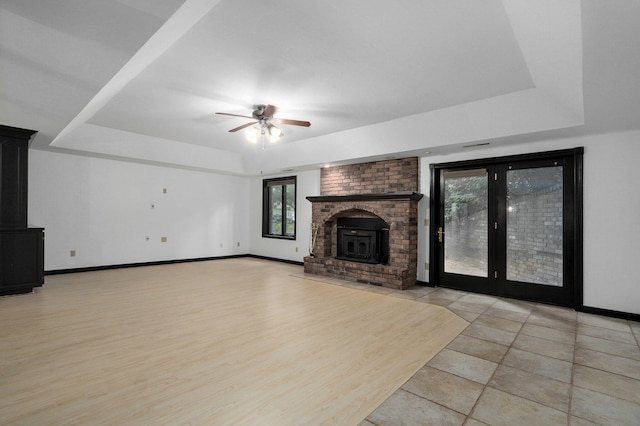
(534, 225)
(465, 222)
(275, 227)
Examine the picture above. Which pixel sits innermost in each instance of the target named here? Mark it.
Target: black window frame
(267, 184)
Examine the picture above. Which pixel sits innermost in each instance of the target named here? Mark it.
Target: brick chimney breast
(383, 189)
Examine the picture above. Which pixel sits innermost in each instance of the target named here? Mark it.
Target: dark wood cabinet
(21, 260)
(14, 167)
(21, 247)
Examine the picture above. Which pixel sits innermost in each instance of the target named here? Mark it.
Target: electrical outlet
(220, 245)
(164, 190)
(426, 222)
(147, 239)
(238, 243)
(426, 266)
(296, 249)
(153, 206)
(163, 239)
(72, 253)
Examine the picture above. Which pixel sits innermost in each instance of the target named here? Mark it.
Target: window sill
(279, 237)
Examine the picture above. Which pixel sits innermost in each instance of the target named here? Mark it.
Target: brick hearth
(345, 194)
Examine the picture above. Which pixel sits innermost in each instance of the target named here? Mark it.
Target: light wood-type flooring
(225, 342)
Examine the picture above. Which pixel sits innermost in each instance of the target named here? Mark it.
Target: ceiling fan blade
(242, 127)
(269, 110)
(292, 122)
(234, 115)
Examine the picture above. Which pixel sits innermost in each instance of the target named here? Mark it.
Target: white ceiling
(142, 79)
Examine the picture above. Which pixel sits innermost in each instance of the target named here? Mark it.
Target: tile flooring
(520, 363)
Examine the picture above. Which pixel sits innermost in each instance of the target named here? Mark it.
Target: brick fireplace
(383, 190)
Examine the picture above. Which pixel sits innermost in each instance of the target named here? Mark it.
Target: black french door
(509, 226)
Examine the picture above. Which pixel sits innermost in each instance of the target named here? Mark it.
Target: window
(279, 208)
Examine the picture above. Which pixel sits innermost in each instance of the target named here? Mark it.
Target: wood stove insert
(363, 240)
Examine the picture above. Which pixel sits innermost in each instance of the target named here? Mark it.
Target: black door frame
(575, 155)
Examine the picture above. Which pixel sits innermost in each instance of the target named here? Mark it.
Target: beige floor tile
(556, 312)
(514, 305)
(499, 323)
(404, 408)
(604, 409)
(604, 322)
(483, 299)
(463, 365)
(500, 408)
(522, 352)
(506, 314)
(537, 318)
(546, 391)
(577, 421)
(437, 299)
(559, 336)
(456, 294)
(562, 351)
(484, 349)
(501, 337)
(468, 306)
(608, 334)
(608, 346)
(444, 388)
(607, 362)
(466, 315)
(539, 364)
(420, 290)
(473, 422)
(366, 423)
(608, 383)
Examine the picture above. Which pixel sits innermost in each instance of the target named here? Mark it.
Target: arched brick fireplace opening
(398, 210)
(329, 227)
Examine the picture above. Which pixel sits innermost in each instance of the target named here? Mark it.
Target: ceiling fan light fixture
(261, 129)
(252, 133)
(274, 133)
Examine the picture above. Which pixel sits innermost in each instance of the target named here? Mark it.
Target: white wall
(611, 211)
(307, 184)
(102, 209)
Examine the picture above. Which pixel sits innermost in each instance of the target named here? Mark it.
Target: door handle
(440, 234)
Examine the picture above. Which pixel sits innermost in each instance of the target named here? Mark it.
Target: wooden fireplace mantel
(412, 196)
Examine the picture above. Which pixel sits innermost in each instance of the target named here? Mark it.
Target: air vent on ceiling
(476, 145)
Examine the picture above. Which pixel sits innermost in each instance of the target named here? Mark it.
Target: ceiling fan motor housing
(258, 111)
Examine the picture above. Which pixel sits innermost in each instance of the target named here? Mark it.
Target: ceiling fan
(264, 123)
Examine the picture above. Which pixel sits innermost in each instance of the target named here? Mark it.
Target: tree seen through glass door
(465, 222)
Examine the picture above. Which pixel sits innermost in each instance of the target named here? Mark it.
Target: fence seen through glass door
(534, 225)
